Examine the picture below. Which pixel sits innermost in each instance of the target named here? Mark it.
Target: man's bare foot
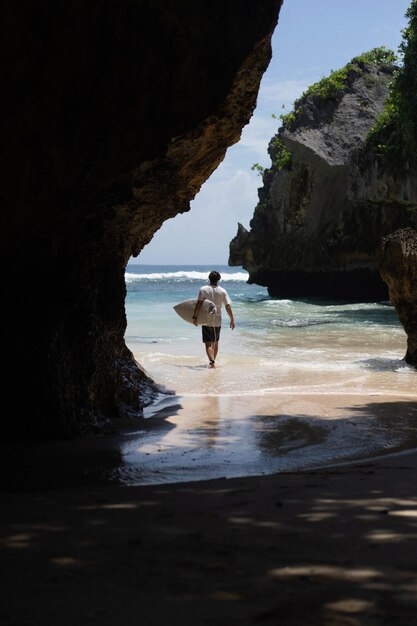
(212, 364)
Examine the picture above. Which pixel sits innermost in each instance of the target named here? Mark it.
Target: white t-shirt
(219, 296)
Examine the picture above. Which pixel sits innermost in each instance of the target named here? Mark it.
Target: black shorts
(211, 333)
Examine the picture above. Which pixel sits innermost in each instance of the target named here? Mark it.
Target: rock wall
(317, 228)
(113, 115)
(399, 271)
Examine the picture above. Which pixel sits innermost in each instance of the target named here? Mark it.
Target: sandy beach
(332, 546)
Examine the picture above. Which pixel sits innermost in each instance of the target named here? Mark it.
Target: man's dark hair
(214, 278)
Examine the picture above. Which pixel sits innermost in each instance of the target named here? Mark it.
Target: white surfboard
(206, 316)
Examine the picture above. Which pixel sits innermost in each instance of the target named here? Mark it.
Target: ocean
(291, 371)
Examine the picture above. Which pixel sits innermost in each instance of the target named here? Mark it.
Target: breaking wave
(182, 276)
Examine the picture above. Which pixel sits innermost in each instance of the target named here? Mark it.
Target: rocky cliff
(399, 271)
(113, 115)
(324, 206)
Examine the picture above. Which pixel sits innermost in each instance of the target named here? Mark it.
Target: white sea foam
(405, 369)
(183, 276)
(277, 302)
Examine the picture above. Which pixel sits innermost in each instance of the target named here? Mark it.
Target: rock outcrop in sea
(113, 115)
(326, 203)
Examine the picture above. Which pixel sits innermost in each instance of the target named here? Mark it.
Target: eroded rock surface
(317, 228)
(113, 115)
(399, 271)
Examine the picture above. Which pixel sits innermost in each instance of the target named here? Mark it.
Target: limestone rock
(399, 271)
(113, 114)
(317, 228)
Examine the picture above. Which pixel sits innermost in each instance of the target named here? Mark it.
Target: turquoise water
(278, 345)
(298, 384)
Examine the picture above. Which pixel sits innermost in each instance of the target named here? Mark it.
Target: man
(211, 334)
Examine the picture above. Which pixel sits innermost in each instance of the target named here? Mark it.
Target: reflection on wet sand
(213, 435)
(188, 438)
(202, 425)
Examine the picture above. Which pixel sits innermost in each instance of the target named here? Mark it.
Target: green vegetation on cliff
(394, 136)
(332, 87)
(280, 158)
(328, 90)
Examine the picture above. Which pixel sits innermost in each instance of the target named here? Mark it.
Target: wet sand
(332, 546)
(201, 437)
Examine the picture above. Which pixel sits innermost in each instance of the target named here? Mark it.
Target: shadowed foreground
(333, 547)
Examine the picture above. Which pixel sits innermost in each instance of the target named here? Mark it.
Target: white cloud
(281, 92)
(257, 134)
(228, 197)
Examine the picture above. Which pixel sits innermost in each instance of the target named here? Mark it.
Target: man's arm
(230, 314)
(197, 311)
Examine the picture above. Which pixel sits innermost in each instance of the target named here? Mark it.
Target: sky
(312, 38)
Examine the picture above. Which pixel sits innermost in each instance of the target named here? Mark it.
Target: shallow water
(296, 383)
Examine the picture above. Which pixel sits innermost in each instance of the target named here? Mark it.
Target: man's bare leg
(211, 351)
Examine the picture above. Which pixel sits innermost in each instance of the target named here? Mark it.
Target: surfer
(211, 334)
